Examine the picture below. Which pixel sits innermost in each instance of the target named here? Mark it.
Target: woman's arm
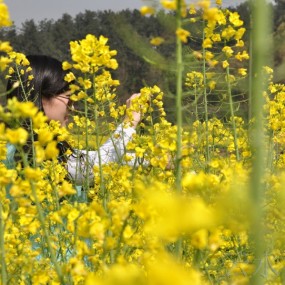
(83, 161)
(80, 164)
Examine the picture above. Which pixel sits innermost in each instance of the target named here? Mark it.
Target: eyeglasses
(70, 103)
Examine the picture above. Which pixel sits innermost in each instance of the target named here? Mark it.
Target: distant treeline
(129, 33)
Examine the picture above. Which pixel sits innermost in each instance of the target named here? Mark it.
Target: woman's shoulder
(10, 153)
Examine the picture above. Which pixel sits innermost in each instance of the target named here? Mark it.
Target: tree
(28, 39)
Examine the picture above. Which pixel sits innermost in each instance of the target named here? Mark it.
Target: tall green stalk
(2, 249)
(232, 113)
(179, 72)
(86, 182)
(102, 185)
(196, 104)
(260, 33)
(250, 74)
(206, 101)
(49, 243)
(41, 219)
(103, 193)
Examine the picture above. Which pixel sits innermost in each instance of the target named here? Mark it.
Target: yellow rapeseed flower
(225, 64)
(197, 55)
(235, 20)
(200, 239)
(66, 189)
(4, 62)
(216, 38)
(212, 84)
(268, 69)
(51, 151)
(44, 136)
(91, 53)
(204, 4)
(212, 63)
(5, 47)
(157, 272)
(66, 65)
(230, 78)
(207, 43)
(192, 10)
(168, 4)
(33, 173)
(240, 43)
(21, 109)
(69, 77)
(209, 55)
(4, 15)
(182, 34)
(147, 10)
(19, 58)
(17, 136)
(228, 51)
(211, 14)
(242, 56)
(242, 71)
(228, 33)
(194, 79)
(239, 33)
(39, 119)
(157, 41)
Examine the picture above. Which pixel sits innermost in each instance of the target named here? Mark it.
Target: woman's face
(57, 107)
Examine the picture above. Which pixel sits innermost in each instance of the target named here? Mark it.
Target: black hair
(48, 81)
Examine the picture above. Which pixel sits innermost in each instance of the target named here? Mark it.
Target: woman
(50, 93)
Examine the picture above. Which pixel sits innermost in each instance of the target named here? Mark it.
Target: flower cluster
(5, 47)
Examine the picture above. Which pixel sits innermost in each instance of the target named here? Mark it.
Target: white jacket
(80, 164)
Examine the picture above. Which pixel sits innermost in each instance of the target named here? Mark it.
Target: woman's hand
(136, 116)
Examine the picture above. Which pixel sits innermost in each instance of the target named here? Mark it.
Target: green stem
(2, 248)
(42, 222)
(250, 74)
(196, 105)
(86, 184)
(260, 53)
(206, 101)
(103, 192)
(43, 226)
(120, 238)
(179, 71)
(33, 143)
(232, 113)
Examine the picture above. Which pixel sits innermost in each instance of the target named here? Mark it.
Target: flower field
(198, 201)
